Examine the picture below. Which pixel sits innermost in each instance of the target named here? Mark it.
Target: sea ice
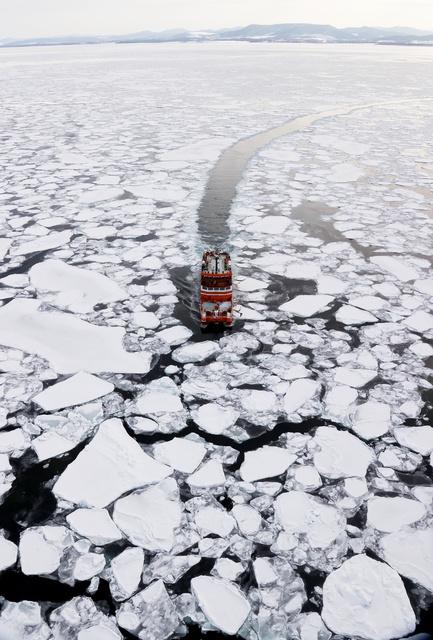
(299, 393)
(8, 554)
(419, 439)
(211, 474)
(222, 602)
(248, 519)
(392, 513)
(94, 524)
(100, 195)
(126, 569)
(68, 343)
(145, 319)
(420, 321)
(159, 396)
(306, 305)
(410, 552)
(80, 619)
(78, 289)
(396, 267)
(181, 454)
(371, 420)
(214, 418)
(339, 454)
(50, 241)
(365, 598)
(80, 388)
(19, 620)
(175, 335)
(150, 614)
(270, 225)
(348, 314)
(195, 351)
(149, 518)
(302, 514)
(41, 549)
(110, 465)
(160, 287)
(212, 519)
(345, 172)
(265, 462)
(250, 284)
(356, 378)
(88, 565)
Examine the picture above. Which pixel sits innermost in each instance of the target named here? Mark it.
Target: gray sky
(22, 18)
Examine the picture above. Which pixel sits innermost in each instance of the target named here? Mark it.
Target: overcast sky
(22, 18)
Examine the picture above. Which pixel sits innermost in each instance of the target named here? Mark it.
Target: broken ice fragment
(78, 289)
(265, 462)
(340, 454)
(110, 465)
(356, 378)
(301, 513)
(181, 454)
(214, 520)
(68, 343)
(222, 602)
(159, 396)
(367, 598)
(392, 513)
(211, 474)
(195, 352)
(19, 620)
(80, 388)
(371, 420)
(348, 314)
(150, 614)
(307, 305)
(149, 518)
(420, 321)
(299, 393)
(50, 241)
(94, 524)
(8, 554)
(125, 573)
(214, 418)
(397, 268)
(410, 552)
(419, 439)
(41, 549)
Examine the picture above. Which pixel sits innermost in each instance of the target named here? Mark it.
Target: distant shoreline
(28, 45)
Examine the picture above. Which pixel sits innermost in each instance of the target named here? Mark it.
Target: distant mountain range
(319, 33)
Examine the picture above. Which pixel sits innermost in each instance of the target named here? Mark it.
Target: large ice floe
(272, 482)
(365, 598)
(110, 465)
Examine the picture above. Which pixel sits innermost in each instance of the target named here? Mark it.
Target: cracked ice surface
(232, 482)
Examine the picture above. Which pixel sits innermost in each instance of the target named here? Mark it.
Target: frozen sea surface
(269, 483)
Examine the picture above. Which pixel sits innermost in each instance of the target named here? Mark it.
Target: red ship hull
(216, 292)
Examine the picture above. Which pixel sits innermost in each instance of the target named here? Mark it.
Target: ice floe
(306, 306)
(222, 602)
(110, 465)
(94, 524)
(367, 598)
(80, 388)
(339, 454)
(410, 552)
(215, 418)
(55, 336)
(393, 513)
(265, 462)
(148, 518)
